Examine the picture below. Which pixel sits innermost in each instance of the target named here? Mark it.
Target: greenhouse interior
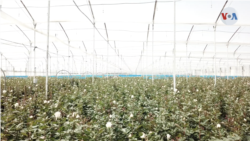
(127, 70)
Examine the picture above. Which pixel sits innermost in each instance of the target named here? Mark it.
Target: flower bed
(126, 109)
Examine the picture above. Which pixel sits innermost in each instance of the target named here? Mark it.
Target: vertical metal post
(34, 79)
(107, 59)
(187, 63)
(93, 73)
(57, 61)
(242, 71)
(152, 53)
(238, 67)
(68, 58)
(50, 65)
(214, 55)
(227, 63)
(107, 48)
(230, 71)
(174, 81)
(47, 52)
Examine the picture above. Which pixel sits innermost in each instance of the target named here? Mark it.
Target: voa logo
(229, 16)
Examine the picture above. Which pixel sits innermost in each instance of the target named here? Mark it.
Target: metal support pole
(174, 81)
(152, 53)
(93, 73)
(214, 55)
(227, 62)
(34, 79)
(147, 53)
(47, 53)
(68, 57)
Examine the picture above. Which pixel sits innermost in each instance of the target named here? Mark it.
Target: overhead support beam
(238, 57)
(106, 32)
(26, 48)
(227, 46)
(233, 35)
(189, 34)
(237, 49)
(146, 22)
(56, 56)
(6, 59)
(148, 32)
(13, 20)
(220, 13)
(115, 47)
(68, 45)
(140, 58)
(187, 51)
(92, 13)
(189, 55)
(204, 49)
(93, 22)
(55, 46)
(64, 32)
(27, 11)
(95, 52)
(154, 12)
(24, 34)
(84, 46)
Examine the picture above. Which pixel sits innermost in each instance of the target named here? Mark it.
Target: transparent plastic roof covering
(128, 42)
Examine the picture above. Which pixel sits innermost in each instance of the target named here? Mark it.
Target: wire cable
(99, 4)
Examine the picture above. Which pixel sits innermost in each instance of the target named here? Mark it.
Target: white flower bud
(168, 136)
(218, 125)
(108, 124)
(58, 115)
(131, 115)
(143, 135)
(16, 105)
(130, 135)
(199, 109)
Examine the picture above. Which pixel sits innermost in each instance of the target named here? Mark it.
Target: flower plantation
(126, 109)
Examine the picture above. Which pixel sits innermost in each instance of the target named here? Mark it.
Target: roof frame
(64, 32)
(204, 49)
(237, 49)
(233, 35)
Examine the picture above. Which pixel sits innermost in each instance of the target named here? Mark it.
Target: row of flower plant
(118, 109)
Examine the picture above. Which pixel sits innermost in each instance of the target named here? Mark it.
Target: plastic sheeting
(127, 24)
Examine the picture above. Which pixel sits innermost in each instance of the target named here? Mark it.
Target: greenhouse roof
(128, 34)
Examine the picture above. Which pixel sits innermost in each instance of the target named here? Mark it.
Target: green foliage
(197, 111)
